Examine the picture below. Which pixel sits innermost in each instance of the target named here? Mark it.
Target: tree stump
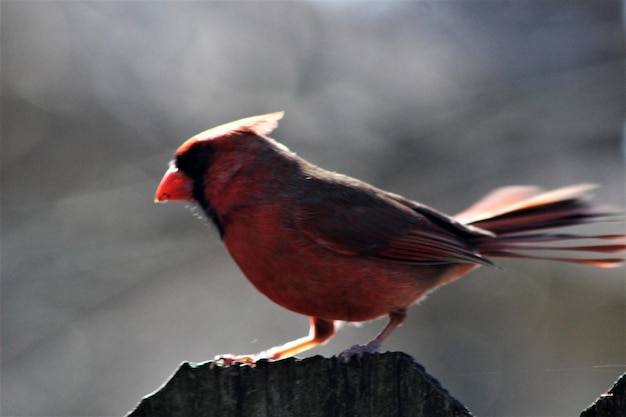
(376, 385)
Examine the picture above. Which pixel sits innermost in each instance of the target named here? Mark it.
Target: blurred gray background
(104, 292)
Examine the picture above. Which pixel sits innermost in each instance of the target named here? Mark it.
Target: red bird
(338, 249)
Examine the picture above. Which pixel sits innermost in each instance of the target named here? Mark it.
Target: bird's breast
(305, 277)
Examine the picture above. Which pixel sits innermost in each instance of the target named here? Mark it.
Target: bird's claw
(359, 350)
(228, 360)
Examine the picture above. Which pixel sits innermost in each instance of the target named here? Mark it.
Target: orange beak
(174, 186)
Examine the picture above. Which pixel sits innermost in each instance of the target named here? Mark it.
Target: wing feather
(380, 226)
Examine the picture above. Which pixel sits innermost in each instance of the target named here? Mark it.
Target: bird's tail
(519, 218)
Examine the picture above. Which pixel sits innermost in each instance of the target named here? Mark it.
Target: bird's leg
(396, 318)
(320, 331)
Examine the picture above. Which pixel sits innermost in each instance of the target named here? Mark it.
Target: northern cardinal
(338, 249)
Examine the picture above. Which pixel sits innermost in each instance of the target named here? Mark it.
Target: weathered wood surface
(380, 385)
(611, 404)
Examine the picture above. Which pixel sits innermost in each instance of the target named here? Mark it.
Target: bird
(337, 249)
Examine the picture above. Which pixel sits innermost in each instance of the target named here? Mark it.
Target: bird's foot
(228, 359)
(359, 350)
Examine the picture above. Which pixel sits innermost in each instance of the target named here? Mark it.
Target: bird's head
(187, 173)
(205, 165)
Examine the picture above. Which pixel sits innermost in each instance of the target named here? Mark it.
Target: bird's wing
(386, 228)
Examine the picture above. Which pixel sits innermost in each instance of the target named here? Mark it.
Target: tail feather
(512, 212)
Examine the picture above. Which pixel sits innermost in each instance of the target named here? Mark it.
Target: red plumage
(335, 248)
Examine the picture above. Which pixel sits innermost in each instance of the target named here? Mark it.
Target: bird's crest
(260, 125)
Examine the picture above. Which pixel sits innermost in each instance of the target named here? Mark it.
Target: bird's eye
(195, 161)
